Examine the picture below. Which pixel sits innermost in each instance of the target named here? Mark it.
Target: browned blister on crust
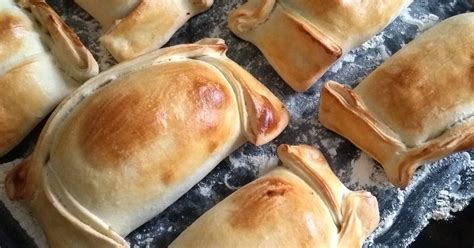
(301, 39)
(416, 107)
(134, 139)
(302, 204)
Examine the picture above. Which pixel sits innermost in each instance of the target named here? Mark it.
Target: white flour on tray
(365, 173)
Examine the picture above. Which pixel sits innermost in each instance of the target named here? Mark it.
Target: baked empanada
(135, 27)
(302, 38)
(41, 61)
(135, 138)
(302, 204)
(416, 107)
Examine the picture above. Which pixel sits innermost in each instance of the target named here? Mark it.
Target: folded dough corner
(301, 39)
(132, 140)
(41, 61)
(134, 27)
(301, 204)
(416, 107)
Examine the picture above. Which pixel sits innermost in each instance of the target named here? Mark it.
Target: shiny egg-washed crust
(302, 204)
(416, 107)
(41, 61)
(135, 27)
(302, 38)
(135, 138)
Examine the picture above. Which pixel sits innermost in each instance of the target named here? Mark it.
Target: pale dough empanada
(135, 138)
(416, 107)
(302, 38)
(134, 27)
(302, 204)
(41, 61)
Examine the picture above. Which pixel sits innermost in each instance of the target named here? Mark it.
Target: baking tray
(438, 188)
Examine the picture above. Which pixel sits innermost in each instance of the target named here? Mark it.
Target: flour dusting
(345, 60)
(205, 190)
(423, 22)
(366, 173)
(331, 146)
(263, 162)
(448, 203)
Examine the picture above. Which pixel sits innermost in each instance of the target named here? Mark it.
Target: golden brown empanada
(135, 27)
(135, 138)
(416, 107)
(302, 204)
(41, 61)
(302, 38)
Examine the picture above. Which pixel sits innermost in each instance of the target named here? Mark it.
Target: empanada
(41, 61)
(302, 204)
(302, 38)
(416, 107)
(135, 27)
(135, 138)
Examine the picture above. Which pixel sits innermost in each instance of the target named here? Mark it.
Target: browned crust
(73, 56)
(361, 216)
(21, 181)
(12, 29)
(130, 37)
(355, 213)
(19, 86)
(266, 118)
(202, 5)
(132, 120)
(330, 47)
(315, 174)
(263, 115)
(458, 139)
(213, 47)
(266, 196)
(129, 50)
(311, 54)
(250, 15)
(342, 111)
(280, 208)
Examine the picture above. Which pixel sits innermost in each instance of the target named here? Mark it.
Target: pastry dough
(39, 65)
(416, 107)
(135, 138)
(302, 38)
(135, 27)
(302, 204)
